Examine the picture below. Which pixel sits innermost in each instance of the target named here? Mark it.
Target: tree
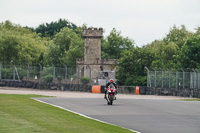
(189, 56)
(177, 35)
(130, 68)
(163, 52)
(50, 29)
(20, 44)
(197, 31)
(114, 44)
(65, 48)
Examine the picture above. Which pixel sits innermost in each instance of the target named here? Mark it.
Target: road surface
(142, 115)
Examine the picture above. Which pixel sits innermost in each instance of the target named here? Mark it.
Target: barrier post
(96, 89)
(137, 90)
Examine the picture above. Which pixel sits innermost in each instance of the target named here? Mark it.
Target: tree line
(60, 43)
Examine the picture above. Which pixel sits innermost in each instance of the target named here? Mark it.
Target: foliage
(59, 77)
(7, 73)
(20, 44)
(130, 70)
(85, 80)
(50, 29)
(47, 74)
(163, 53)
(177, 35)
(21, 72)
(65, 48)
(47, 70)
(180, 48)
(48, 78)
(189, 56)
(114, 44)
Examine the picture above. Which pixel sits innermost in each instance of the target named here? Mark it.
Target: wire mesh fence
(40, 73)
(52, 77)
(173, 78)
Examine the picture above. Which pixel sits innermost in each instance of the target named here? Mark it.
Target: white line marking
(81, 114)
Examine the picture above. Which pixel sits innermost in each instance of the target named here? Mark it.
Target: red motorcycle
(110, 95)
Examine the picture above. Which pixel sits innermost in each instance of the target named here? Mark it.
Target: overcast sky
(141, 20)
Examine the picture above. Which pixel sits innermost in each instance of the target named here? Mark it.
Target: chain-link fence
(41, 74)
(178, 79)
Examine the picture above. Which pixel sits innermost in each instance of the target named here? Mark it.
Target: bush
(22, 73)
(47, 71)
(48, 78)
(7, 73)
(85, 80)
(59, 77)
(47, 74)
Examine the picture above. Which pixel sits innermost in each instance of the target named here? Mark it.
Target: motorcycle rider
(109, 83)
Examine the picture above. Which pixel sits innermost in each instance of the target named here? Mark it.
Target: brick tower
(92, 64)
(92, 52)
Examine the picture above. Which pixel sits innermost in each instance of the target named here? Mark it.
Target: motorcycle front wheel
(111, 100)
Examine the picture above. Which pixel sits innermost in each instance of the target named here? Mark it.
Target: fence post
(194, 79)
(176, 78)
(77, 77)
(0, 70)
(162, 76)
(169, 72)
(183, 78)
(154, 77)
(54, 71)
(198, 79)
(40, 70)
(191, 80)
(148, 78)
(13, 63)
(27, 78)
(65, 72)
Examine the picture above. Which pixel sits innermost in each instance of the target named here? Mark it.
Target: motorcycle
(110, 95)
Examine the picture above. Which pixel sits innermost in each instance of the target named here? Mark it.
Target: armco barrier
(96, 89)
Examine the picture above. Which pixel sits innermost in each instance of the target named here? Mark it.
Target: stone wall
(109, 61)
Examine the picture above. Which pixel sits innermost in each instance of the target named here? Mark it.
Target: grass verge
(20, 114)
(196, 99)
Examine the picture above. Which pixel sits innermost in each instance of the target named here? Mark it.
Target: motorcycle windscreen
(111, 87)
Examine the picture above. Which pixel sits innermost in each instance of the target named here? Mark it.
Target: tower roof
(92, 33)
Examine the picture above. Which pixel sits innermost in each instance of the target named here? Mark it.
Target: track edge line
(82, 114)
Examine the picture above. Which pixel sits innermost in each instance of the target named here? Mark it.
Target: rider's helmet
(111, 81)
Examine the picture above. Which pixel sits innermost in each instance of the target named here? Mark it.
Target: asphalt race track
(145, 116)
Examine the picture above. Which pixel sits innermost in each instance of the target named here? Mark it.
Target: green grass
(196, 99)
(20, 114)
